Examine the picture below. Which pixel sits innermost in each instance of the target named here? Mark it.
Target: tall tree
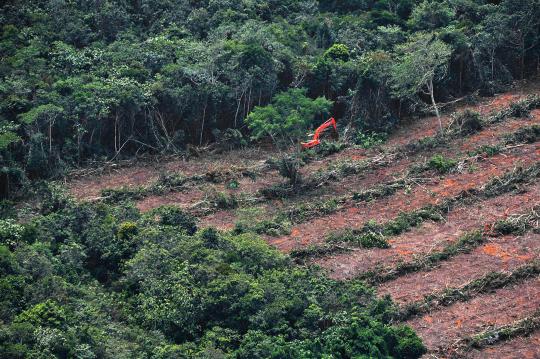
(286, 121)
(421, 62)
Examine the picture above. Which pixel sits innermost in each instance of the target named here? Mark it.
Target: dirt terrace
(148, 171)
(517, 348)
(225, 219)
(389, 207)
(86, 188)
(503, 253)
(431, 236)
(445, 327)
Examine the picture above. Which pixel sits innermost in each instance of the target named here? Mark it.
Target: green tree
(285, 120)
(430, 15)
(420, 63)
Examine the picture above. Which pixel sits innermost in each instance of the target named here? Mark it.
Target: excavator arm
(316, 137)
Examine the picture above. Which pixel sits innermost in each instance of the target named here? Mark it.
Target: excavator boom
(316, 137)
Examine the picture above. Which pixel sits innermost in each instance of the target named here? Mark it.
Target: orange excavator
(316, 136)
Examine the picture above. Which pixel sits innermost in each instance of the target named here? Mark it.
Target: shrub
(370, 139)
(167, 182)
(53, 197)
(529, 134)
(486, 150)
(47, 314)
(230, 139)
(7, 262)
(127, 230)
(7, 209)
(175, 216)
(11, 233)
(409, 345)
(363, 238)
(223, 200)
(466, 122)
(519, 109)
(289, 168)
(326, 148)
(441, 164)
(212, 238)
(115, 195)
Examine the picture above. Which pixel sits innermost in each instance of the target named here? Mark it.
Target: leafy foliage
(119, 78)
(107, 281)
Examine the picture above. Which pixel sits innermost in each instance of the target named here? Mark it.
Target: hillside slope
(457, 248)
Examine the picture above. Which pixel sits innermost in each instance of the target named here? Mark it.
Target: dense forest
(105, 80)
(109, 79)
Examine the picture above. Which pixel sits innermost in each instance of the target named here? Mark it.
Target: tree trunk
(203, 118)
(432, 95)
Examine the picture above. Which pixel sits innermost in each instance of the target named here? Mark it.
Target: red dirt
(489, 136)
(389, 207)
(428, 126)
(90, 187)
(504, 306)
(517, 348)
(430, 236)
(504, 253)
(147, 172)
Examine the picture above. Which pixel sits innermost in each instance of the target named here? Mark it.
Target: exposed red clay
(491, 135)
(430, 236)
(488, 136)
(148, 171)
(421, 195)
(501, 254)
(428, 126)
(445, 327)
(518, 348)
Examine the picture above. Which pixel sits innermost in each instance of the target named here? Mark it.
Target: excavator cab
(316, 136)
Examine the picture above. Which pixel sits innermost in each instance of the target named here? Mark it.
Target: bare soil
(517, 348)
(419, 196)
(146, 172)
(430, 236)
(463, 319)
(500, 254)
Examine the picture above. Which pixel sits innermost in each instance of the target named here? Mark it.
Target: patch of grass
(441, 164)
(486, 150)
(307, 211)
(425, 144)
(379, 191)
(222, 200)
(327, 148)
(370, 139)
(359, 238)
(115, 195)
(315, 251)
(517, 224)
